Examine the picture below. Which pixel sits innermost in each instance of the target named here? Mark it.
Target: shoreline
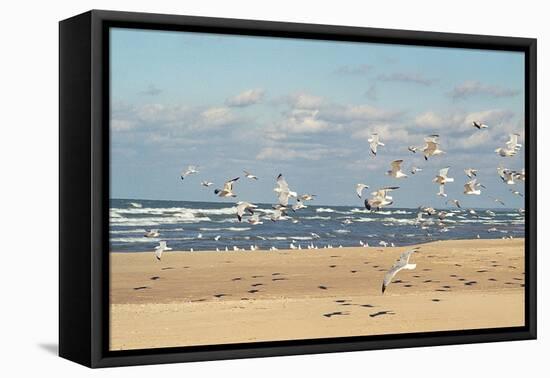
(198, 298)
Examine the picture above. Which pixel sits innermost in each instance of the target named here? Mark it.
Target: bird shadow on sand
(380, 313)
(141, 287)
(335, 313)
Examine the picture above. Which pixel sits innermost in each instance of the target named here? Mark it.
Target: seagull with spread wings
(432, 147)
(227, 190)
(374, 142)
(396, 170)
(359, 189)
(159, 249)
(402, 263)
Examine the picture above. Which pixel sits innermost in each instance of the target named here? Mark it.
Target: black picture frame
(84, 187)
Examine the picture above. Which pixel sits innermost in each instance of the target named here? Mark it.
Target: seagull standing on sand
(402, 263)
(396, 170)
(227, 190)
(478, 125)
(250, 175)
(192, 169)
(432, 147)
(244, 206)
(374, 142)
(159, 249)
(359, 189)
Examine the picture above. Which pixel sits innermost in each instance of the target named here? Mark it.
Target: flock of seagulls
(378, 199)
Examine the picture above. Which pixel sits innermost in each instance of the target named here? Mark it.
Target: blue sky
(306, 109)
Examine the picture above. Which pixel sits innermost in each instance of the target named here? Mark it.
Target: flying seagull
(244, 206)
(299, 205)
(454, 202)
(517, 193)
(359, 189)
(380, 198)
(512, 143)
(250, 175)
(442, 178)
(396, 169)
(374, 142)
(478, 125)
(470, 172)
(497, 200)
(227, 190)
(471, 188)
(161, 248)
(307, 197)
(206, 183)
(413, 149)
(414, 170)
(402, 263)
(192, 169)
(432, 147)
(512, 147)
(283, 191)
(136, 205)
(506, 175)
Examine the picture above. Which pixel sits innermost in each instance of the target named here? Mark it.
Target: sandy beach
(200, 298)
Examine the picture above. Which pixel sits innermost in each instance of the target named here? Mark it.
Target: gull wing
(399, 265)
(396, 166)
(228, 185)
(359, 189)
(443, 172)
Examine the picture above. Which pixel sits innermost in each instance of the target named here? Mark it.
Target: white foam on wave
(341, 231)
(134, 240)
(155, 221)
(301, 237)
(318, 217)
(325, 210)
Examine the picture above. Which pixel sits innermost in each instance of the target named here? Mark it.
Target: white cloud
(284, 153)
(246, 98)
(305, 101)
(475, 88)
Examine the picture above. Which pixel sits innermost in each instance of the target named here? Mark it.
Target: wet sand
(200, 298)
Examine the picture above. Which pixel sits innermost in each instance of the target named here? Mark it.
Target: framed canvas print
(234, 188)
